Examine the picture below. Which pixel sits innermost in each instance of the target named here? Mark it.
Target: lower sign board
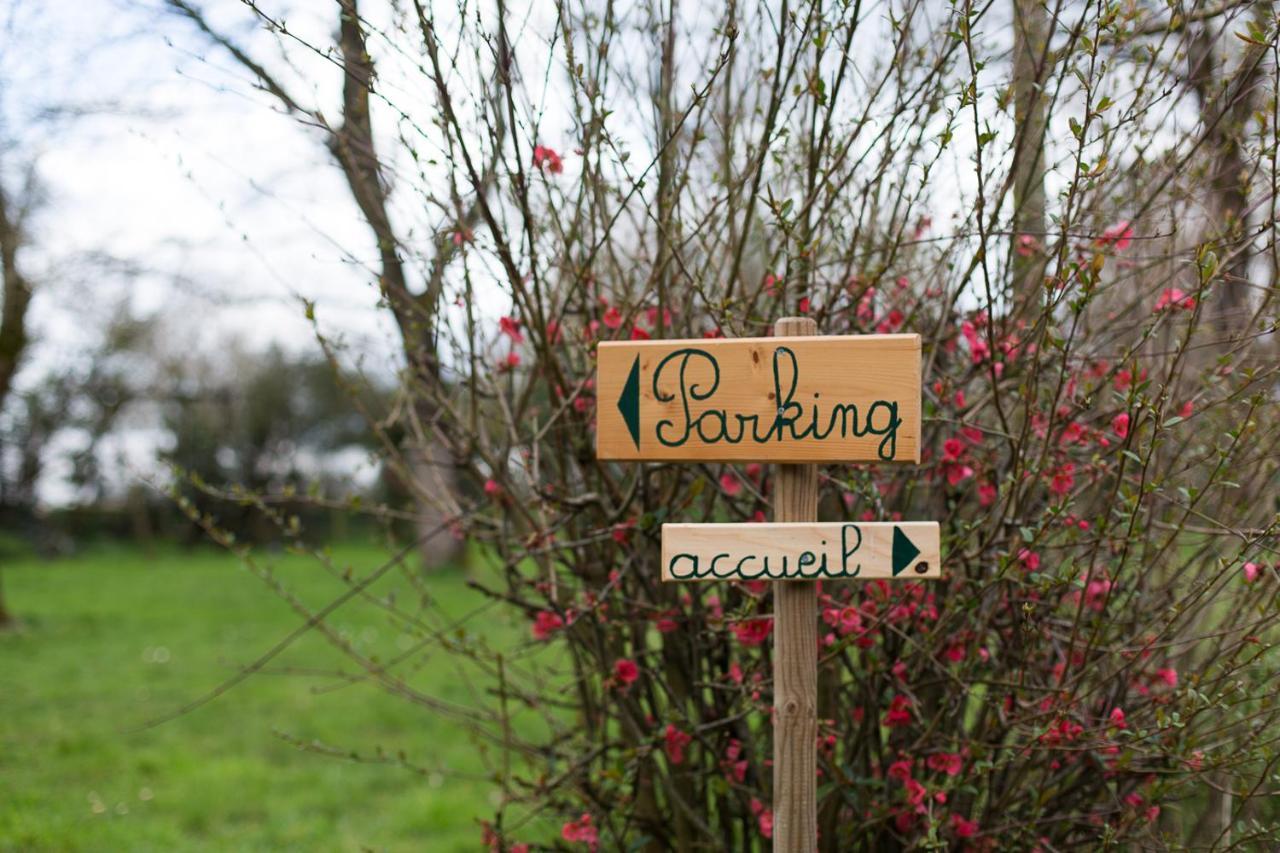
(908, 550)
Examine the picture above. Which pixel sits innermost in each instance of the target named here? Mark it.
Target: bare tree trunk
(1030, 37)
(17, 297)
(434, 473)
(1227, 104)
(13, 317)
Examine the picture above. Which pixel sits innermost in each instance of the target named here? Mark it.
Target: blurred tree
(268, 422)
(430, 455)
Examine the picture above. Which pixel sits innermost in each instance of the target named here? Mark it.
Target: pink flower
(850, 620)
(1119, 235)
(986, 494)
(730, 484)
(951, 449)
(1120, 424)
(612, 317)
(675, 742)
(963, 828)
(899, 713)
(639, 334)
(1172, 297)
(626, 671)
(766, 823)
(1030, 559)
(582, 831)
(1168, 675)
(753, 632)
(1187, 409)
(547, 160)
(510, 327)
(1251, 572)
(957, 474)
(1117, 718)
(545, 624)
(511, 361)
(492, 488)
(900, 769)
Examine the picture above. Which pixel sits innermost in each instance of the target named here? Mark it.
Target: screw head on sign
(922, 568)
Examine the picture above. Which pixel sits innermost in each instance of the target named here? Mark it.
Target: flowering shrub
(1092, 276)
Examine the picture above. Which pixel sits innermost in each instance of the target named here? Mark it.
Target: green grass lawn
(112, 639)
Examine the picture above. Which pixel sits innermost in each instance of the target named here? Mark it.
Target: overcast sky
(178, 165)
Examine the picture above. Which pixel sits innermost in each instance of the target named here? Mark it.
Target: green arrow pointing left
(629, 402)
(904, 551)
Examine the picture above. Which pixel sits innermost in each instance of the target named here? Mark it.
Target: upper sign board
(790, 399)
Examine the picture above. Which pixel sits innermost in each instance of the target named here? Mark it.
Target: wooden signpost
(794, 399)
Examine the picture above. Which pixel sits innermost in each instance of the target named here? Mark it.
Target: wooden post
(795, 661)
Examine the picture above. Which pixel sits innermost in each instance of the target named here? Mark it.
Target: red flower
(626, 671)
(1168, 675)
(510, 327)
(986, 494)
(1117, 718)
(1251, 572)
(1063, 479)
(951, 449)
(1120, 424)
(639, 334)
(963, 828)
(804, 305)
(949, 762)
(899, 713)
(675, 742)
(545, 624)
(612, 317)
(730, 484)
(581, 830)
(547, 160)
(900, 770)
(753, 632)
(492, 488)
(1030, 559)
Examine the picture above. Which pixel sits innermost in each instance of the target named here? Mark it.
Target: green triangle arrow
(629, 402)
(904, 551)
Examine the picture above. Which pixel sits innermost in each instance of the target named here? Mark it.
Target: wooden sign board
(907, 550)
(787, 399)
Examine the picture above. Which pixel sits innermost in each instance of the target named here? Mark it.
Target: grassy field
(113, 638)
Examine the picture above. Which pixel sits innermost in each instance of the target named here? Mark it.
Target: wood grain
(864, 550)
(807, 399)
(795, 659)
